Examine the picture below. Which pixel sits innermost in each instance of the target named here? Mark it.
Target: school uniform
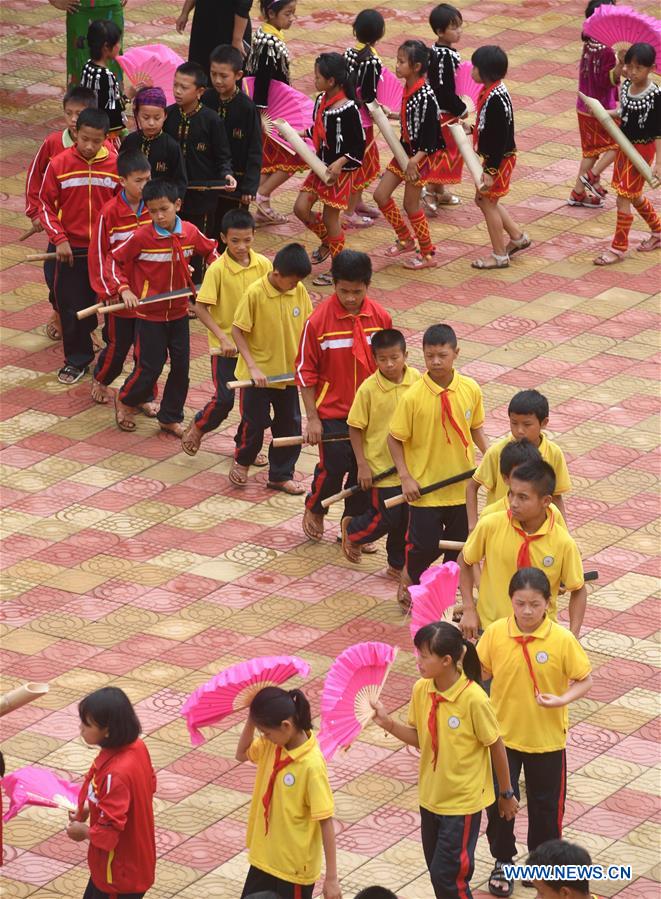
(434, 424)
(164, 155)
(500, 541)
(455, 782)
(224, 285)
(502, 505)
(272, 322)
(443, 64)
(364, 68)
(108, 94)
(335, 357)
(493, 137)
(524, 665)
(489, 476)
(371, 411)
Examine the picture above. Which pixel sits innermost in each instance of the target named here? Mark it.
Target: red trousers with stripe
(378, 521)
(260, 882)
(448, 842)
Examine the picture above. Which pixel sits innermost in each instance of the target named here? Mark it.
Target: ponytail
(471, 662)
(333, 65)
(444, 639)
(273, 705)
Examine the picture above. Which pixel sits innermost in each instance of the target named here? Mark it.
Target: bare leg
(272, 181)
(583, 169)
(303, 206)
(508, 223)
(331, 219)
(603, 162)
(494, 223)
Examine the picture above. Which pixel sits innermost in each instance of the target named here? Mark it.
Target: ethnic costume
(364, 68)
(164, 155)
(443, 65)
(493, 138)
(595, 79)
(108, 94)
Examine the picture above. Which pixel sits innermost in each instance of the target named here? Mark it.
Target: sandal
(394, 573)
(352, 552)
(149, 410)
(313, 525)
(266, 215)
(429, 202)
(54, 327)
(175, 428)
(97, 342)
(593, 184)
(369, 549)
(358, 221)
(499, 885)
(420, 262)
(261, 460)
(238, 475)
(576, 199)
(610, 257)
(404, 597)
(190, 442)
(290, 487)
(99, 392)
(400, 247)
(371, 212)
(321, 254)
(447, 199)
(515, 246)
(653, 242)
(325, 280)
(69, 374)
(123, 416)
(486, 265)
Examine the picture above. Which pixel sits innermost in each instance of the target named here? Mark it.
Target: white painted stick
(382, 123)
(468, 154)
(307, 155)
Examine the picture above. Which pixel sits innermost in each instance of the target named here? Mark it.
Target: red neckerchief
(523, 558)
(432, 723)
(484, 95)
(278, 765)
(446, 413)
(178, 253)
(523, 643)
(361, 348)
(319, 131)
(406, 96)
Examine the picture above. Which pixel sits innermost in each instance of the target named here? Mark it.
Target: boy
(528, 413)
(334, 359)
(267, 328)
(369, 420)
(432, 434)
(117, 221)
(154, 260)
(561, 852)
(537, 668)
(161, 149)
(524, 535)
(224, 285)
(77, 182)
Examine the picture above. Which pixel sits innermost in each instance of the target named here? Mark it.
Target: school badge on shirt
(542, 657)
(289, 780)
(547, 561)
(296, 312)
(453, 722)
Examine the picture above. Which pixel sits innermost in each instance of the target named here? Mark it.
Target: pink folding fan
(234, 688)
(621, 26)
(390, 91)
(465, 87)
(153, 65)
(284, 102)
(38, 786)
(434, 595)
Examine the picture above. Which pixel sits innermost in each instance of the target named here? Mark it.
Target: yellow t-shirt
(556, 657)
(224, 284)
(502, 505)
(302, 797)
(495, 540)
(488, 472)
(433, 449)
(372, 409)
(273, 322)
(462, 783)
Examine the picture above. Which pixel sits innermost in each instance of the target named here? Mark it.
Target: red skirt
(627, 180)
(450, 163)
(371, 166)
(276, 159)
(336, 195)
(501, 183)
(425, 169)
(595, 140)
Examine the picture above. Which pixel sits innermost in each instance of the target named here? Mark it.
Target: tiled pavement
(126, 562)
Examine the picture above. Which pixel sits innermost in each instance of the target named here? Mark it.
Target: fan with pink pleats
(234, 688)
(284, 102)
(153, 65)
(434, 595)
(38, 786)
(465, 88)
(621, 26)
(354, 681)
(390, 91)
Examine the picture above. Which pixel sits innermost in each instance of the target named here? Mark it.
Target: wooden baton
(400, 499)
(42, 257)
(103, 309)
(273, 379)
(28, 233)
(351, 491)
(299, 440)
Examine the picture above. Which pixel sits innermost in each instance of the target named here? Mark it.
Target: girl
(291, 813)
(269, 61)
(161, 149)
(339, 141)
(117, 796)
(532, 661)
(494, 141)
(103, 39)
(364, 68)
(421, 138)
(452, 723)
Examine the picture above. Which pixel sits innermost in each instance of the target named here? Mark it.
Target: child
(599, 73)
(369, 420)
(267, 328)
(117, 796)
(422, 140)
(640, 114)
(431, 438)
(154, 260)
(453, 724)
(525, 535)
(334, 359)
(224, 285)
(493, 138)
(538, 668)
(339, 142)
(528, 413)
(291, 813)
(161, 149)
(103, 39)
(76, 184)
(269, 61)
(375, 892)
(554, 853)
(364, 70)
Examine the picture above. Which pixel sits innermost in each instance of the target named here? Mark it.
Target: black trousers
(545, 775)
(428, 525)
(336, 470)
(72, 292)
(448, 842)
(49, 275)
(92, 892)
(206, 224)
(224, 204)
(119, 335)
(256, 404)
(154, 342)
(221, 404)
(377, 521)
(261, 883)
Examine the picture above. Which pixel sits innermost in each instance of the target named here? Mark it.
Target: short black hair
(158, 189)
(593, 5)
(540, 474)
(352, 265)
(529, 402)
(491, 62)
(439, 335)
(444, 15)
(532, 579)
(562, 852)
(416, 52)
(100, 33)
(387, 339)
(110, 707)
(227, 55)
(515, 453)
(376, 892)
(93, 118)
(642, 53)
(195, 71)
(132, 161)
(273, 6)
(83, 95)
(369, 26)
(238, 218)
(292, 259)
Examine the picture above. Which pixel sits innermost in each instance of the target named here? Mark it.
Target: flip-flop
(124, 424)
(290, 487)
(320, 254)
(313, 533)
(190, 442)
(352, 551)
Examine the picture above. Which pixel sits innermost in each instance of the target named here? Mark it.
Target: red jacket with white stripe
(325, 358)
(155, 261)
(73, 191)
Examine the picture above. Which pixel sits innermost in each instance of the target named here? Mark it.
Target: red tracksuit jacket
(154, 261)
(73, 191)
(326, 359)
(119, 789)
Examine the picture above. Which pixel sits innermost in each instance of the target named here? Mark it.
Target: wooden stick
(103, 309)
(468, 154)
(218, 351)
(351, 491)
(401, 499)
(450, 544)
(273, 379)
(307, 155)
(299, 440)
(211, 185)
(20, 696)
(382, 123)
(42, 257)
(28, 233)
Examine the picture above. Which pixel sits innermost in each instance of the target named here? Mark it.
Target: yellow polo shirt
(432, 452)
(495, 540)
(556, 657)
(488, 472)
(302, 797)
(462, 783)
(503, 504)
(371, 411)
(224, 284)
(273, 322)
